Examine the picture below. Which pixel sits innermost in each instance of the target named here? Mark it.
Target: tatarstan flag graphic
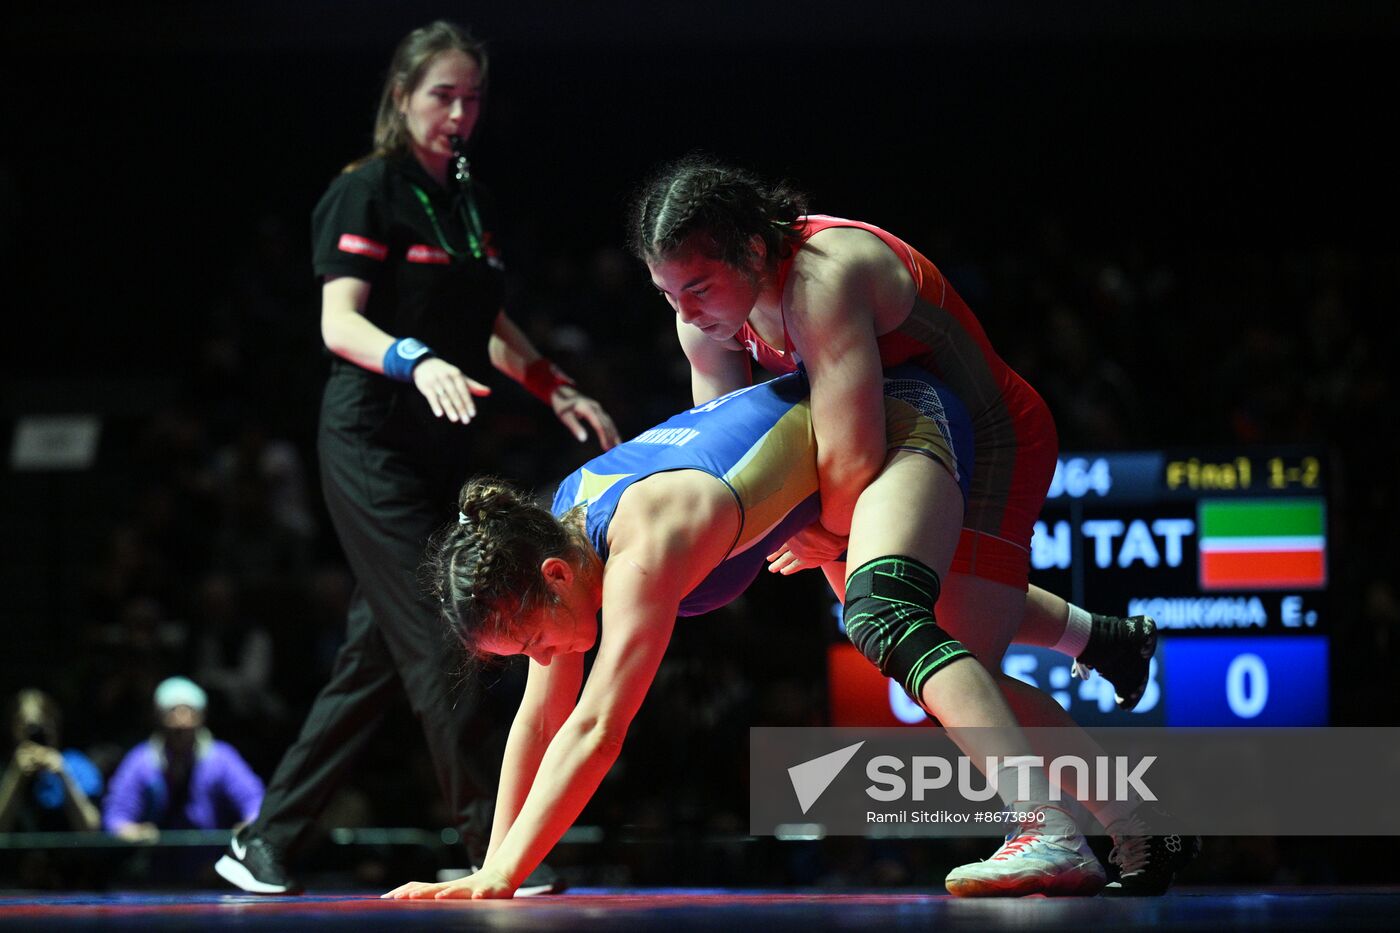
(1266, 544)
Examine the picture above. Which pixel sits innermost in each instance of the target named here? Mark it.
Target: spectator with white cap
(181, 777)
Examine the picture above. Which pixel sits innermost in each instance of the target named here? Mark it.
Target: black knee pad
(889, 617)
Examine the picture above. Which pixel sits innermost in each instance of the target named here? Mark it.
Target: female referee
(411, 308)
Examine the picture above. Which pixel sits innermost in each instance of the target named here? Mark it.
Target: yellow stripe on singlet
(907, 429)
(593, 485)
(780, 469)
(775, 475)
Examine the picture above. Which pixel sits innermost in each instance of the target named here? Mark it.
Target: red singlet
(1015, 444)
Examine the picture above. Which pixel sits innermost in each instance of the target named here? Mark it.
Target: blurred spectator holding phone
(45, 788)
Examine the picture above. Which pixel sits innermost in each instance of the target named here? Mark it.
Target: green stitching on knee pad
(924, 651)
(889, 618)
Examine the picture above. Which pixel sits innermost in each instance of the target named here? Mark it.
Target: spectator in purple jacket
(181, 777)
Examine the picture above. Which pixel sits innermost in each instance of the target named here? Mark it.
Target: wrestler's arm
(550, 695)
(667, 534)
(669, 531)
(715, 369)
(830, 319)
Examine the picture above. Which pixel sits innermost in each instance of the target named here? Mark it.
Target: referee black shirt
(424, 281)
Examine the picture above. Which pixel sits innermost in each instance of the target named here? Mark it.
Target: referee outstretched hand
(573, 408)
(448, 390)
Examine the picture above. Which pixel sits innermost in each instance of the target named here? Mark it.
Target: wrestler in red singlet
(1015, 440)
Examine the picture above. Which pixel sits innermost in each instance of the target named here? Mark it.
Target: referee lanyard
(470, 219)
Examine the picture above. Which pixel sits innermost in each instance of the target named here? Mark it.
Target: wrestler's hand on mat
(810, 547)
(483, 885)
(448, 390)
(574, 408)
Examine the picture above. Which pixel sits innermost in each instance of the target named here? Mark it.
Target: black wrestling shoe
(1121, 651)
(543, 880)
(1147, 864)
(252, 864)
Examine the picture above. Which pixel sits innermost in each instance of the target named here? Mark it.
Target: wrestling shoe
(251, 863)
(543, 880)
(1147, 864)
(1034, 859)
(1121, 651)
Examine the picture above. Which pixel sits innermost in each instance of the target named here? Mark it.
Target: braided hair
(485, 567)
(727, 206)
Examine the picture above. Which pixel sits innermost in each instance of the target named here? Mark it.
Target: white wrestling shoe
(1036, 858)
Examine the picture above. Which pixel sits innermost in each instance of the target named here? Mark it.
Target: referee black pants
(384, 506)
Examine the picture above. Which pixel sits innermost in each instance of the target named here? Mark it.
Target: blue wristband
(402, 356)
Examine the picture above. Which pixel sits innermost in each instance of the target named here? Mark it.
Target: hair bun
(485, 498)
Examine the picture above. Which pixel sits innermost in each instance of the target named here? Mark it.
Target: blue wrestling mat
(674, 910)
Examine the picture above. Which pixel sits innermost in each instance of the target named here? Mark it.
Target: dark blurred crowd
(215, 560)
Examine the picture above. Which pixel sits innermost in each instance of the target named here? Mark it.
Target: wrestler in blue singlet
(759, 442)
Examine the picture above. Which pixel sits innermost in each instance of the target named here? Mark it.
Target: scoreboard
(1227, 550)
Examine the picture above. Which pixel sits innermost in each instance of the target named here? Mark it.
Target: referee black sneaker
(1121, 651)
(252, 864)
(1147, 864)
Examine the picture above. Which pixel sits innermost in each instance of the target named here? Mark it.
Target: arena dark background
(1176, 219)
